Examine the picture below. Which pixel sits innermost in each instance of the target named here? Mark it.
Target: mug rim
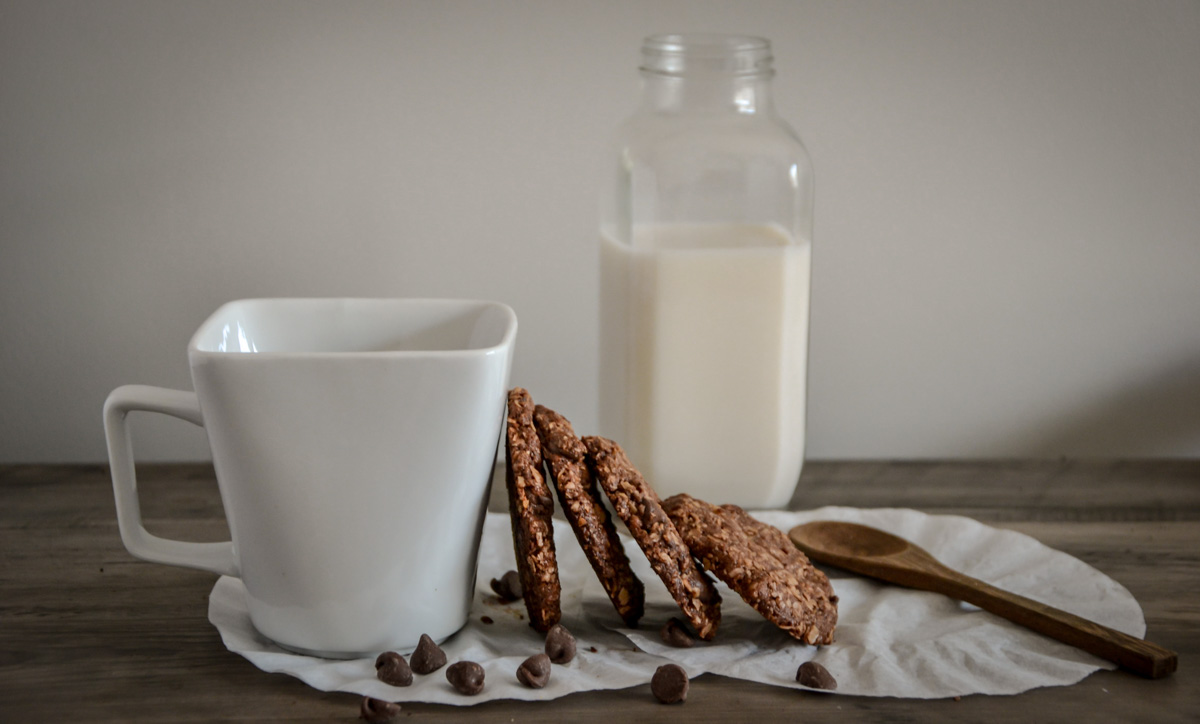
(506, 341)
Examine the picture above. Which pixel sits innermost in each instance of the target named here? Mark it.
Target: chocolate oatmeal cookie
(637, 504)
(758, 562)
(531, 508)
(565, 460)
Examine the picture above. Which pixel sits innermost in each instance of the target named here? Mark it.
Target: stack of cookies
(681, 536)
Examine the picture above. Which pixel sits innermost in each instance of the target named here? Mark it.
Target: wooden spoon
(872, 552)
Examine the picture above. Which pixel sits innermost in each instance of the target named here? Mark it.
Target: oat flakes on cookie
(638, 506)
(531, 508)
(565, 455)
(758, 562)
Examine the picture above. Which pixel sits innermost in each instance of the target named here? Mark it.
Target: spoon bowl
(878, 554)
(848, 539)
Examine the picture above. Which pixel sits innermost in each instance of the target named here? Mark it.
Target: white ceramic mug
(353, 442)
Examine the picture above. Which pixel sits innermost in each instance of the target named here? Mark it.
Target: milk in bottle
(704, 278)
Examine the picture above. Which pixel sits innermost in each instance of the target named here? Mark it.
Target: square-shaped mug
(353, 442)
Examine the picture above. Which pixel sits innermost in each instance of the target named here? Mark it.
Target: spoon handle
(1134, 654)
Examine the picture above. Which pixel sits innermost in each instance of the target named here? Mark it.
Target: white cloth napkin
(890, 641)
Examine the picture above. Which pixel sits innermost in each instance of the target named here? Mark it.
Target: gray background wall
(1007, 247)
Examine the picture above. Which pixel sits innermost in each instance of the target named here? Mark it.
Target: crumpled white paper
(890, 641)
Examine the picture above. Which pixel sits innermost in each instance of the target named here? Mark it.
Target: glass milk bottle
(704, 277)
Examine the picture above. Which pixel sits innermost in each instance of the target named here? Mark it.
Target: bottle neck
(703, 94)
(708, 74)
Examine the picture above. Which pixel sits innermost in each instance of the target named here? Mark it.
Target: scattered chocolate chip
(508, 587)
(534, 671)
(486, 619)
(675, 633)
(560, 644)
(391, 668)
(377, 711)
(466, 677)
(593, 649)
(428, 657)
(670, 684)
(815, 676)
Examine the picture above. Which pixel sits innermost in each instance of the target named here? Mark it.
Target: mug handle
(215, 557)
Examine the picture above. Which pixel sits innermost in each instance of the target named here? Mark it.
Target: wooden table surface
(88, 633)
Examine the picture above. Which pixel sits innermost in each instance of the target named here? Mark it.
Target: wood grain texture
(87, 633)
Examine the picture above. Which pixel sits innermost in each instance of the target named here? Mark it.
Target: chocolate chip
(508, 587)
(534, 671)
(376, 711)
(428, 657)
(815, 676)
(560, 644)
(670, 684)
(466, 677)
(391, 668)
(675, 633)
(486, 619)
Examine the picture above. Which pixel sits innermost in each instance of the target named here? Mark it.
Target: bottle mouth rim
(677, 53)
